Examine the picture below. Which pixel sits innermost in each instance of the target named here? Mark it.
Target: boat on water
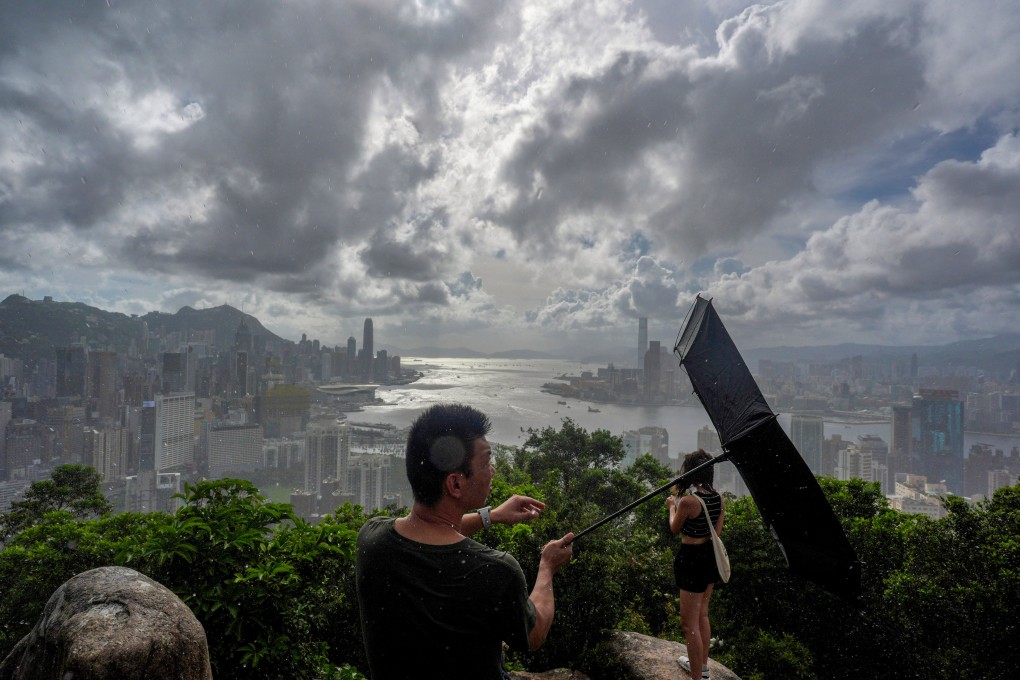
(593, 410)
(561, 403)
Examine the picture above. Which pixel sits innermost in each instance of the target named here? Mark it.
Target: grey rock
(649, 658)
(112, 622)
(642, 658)
(557, 674)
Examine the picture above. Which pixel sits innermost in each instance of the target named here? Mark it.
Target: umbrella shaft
(652, 494)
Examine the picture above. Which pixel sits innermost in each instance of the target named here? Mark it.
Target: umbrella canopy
(791, 503)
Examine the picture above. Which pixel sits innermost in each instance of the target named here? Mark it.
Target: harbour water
(509, 391)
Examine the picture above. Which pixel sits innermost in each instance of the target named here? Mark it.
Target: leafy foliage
(251, 571)
(36, 561)
(75, 489)
(276, 595)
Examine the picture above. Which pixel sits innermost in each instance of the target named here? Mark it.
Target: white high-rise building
(369, 477)
(175, 430)
(106, 449)
(854, 463)
(327, 453)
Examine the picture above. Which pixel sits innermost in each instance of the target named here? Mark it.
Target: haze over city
(501, 175)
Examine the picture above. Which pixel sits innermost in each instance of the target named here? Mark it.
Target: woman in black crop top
(694, 565)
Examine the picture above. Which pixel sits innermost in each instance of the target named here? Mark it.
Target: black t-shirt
(438, 610)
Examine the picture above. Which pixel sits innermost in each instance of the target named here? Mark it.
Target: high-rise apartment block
(327, 453)
(368, 479)
(879, 452)
(807, 432)
(174, 440)
(854, 463)
(68, 423)
(107, 449)
(234, 448)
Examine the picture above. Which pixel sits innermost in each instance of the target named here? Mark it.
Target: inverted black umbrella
(792, 505)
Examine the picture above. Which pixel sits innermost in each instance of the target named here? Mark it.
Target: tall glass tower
(369, 350)
(937, 436)
(642, 341)
(807, 435)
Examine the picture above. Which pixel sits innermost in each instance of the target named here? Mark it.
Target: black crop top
(697, 527)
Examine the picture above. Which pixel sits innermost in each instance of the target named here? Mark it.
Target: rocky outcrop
(112, 622)
(649, 658)
(637, 657)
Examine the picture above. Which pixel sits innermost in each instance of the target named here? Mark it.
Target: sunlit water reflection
(509, 391)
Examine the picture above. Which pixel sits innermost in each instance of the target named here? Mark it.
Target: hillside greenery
(276, 594)
(31, 330)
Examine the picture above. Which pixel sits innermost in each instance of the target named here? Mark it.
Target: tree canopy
(76, 489)
(276, 594)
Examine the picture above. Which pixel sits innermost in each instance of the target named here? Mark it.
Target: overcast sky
(504, 174)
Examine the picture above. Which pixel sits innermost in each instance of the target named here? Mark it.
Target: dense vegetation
(276, 594)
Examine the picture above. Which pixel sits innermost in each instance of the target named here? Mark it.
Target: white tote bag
(722, 560)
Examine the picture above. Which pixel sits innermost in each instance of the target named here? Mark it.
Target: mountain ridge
(32, 329)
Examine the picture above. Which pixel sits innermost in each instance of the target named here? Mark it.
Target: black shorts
(694, 567)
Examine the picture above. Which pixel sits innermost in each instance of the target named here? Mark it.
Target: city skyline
(523, 173)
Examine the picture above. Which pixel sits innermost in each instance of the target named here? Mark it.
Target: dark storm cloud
(283, 91)
(735, 138)
(580, 156)
(362, 158)
(418, 256)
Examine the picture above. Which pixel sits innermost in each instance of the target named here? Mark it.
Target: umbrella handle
(718, 459)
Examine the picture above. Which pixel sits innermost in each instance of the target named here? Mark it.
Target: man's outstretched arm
(554, 555)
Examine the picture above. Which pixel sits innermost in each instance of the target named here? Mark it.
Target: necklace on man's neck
(436, 521)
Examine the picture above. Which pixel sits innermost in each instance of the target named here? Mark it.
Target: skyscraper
(807, 434)
(900, 460)
(174, 372)
(352, 357)
(71, 371)
(652, 369)
(937, 436)
(368, 347)
(68, 424)
(642, 341)
(854, 463)
(241, 360)
(234, 448)
(106, 449)
(103, 385)
(327, 450)
(369, 479)
(175, 431)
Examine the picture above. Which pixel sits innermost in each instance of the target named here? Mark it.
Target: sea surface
(510, 392)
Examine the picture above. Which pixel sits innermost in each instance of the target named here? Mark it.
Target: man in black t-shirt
(433, 601)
